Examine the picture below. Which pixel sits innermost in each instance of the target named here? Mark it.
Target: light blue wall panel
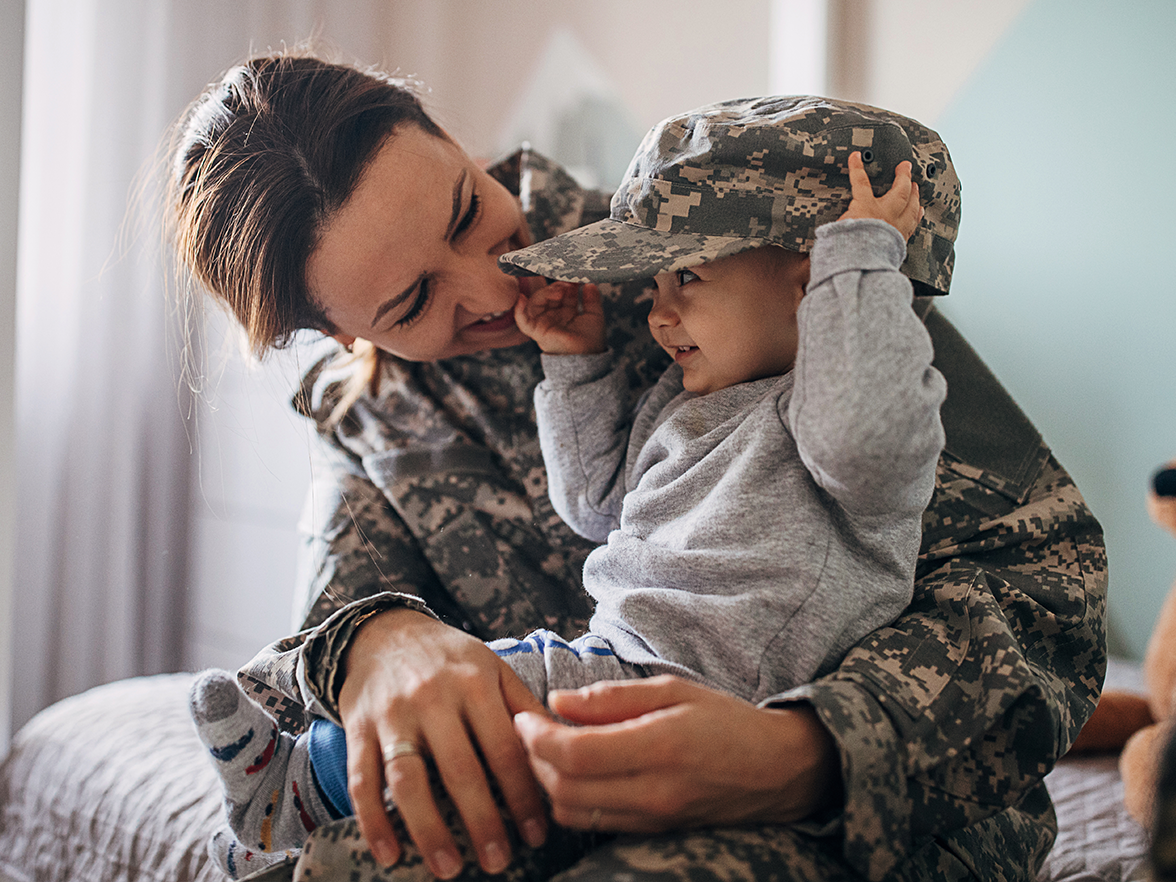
(1065, 140)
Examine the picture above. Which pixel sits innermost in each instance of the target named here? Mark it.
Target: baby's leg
(545, 661)
(271, 796)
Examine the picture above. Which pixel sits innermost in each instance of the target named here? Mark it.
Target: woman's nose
(484, 288)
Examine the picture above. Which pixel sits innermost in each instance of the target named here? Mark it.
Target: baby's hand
(899, 207)
(563, 318)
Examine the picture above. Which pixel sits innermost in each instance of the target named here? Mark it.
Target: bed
(112, 786)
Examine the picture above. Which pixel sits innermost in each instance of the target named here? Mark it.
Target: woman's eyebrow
(455, 215)
(393, 302)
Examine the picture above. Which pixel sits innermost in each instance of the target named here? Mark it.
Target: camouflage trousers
(778, 854)
(1006, 847)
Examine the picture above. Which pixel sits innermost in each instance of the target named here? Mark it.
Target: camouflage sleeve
(957, 710)
(355, 554)
(298, 678)
(354, 545)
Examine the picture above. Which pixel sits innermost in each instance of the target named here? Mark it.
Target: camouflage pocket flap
(392, 467)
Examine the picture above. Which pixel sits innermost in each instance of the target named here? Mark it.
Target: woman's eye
(471, 215)
(685, 277)
(419, 304)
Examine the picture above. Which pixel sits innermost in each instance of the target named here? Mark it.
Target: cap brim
(613, 251)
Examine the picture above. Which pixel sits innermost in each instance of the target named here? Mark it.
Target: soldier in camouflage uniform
(430, 491)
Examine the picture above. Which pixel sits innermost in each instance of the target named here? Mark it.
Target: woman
(310, 195)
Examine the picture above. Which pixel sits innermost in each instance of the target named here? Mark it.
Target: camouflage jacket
(431, 492)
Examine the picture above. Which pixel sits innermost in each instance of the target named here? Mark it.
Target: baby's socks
(270, 792)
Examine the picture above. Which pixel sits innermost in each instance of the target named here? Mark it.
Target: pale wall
(1057, 114)
(1061, 138)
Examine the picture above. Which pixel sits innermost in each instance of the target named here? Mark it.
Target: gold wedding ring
(397, 749)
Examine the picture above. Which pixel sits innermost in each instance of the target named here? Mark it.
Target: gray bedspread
(110, 786)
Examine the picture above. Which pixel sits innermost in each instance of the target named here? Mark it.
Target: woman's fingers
(408, 782)
(464, 780)
(507, 761)
(600, 751)
(413, 681)
(365, 786)
(499, 754)
(608, 782)
(666, 754)
(620, 728)
(615, 701)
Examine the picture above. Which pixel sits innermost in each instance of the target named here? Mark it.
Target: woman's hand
(413, 680)
(563, 318)
(663, 753)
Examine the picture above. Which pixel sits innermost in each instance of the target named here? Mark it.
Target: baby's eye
(685, 277)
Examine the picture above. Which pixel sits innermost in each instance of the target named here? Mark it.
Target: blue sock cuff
(328, 758)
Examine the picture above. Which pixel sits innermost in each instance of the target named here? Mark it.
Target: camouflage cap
(732, 176)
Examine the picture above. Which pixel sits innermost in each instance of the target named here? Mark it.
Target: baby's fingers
(901, 205)
(529, 310)
(590, 299)
(902, 179)
(859, 180)
(912, 213)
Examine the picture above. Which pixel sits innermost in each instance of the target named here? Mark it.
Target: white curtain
(11, 72)
(103, 453)
(101, 447)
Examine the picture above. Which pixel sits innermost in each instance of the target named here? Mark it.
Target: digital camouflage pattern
(739, 174)
(946, 720)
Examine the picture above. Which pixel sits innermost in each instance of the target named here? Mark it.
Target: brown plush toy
(1139, 763)
(1143, 726)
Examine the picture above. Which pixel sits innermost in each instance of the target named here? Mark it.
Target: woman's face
(409, 262)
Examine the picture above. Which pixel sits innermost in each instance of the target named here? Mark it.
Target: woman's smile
(494, 322)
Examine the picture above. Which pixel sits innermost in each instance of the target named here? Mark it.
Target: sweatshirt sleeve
(584, 434)
(865, 405)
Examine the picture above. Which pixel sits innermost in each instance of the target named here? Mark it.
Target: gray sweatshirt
(754, 534)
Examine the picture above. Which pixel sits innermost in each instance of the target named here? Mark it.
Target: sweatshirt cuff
(876, 816)
(320, 671)
(855, 245)
(564, 371)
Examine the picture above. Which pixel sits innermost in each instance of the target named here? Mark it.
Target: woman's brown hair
(262, 160)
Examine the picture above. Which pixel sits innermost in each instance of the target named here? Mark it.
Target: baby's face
(732, 320)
